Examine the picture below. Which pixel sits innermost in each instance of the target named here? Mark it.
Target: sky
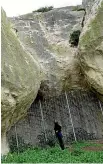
(19, 7)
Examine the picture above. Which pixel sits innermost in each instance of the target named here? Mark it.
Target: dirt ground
(91, 148)
(94, 148)
(97, 141)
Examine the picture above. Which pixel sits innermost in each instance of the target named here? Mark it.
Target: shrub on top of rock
(78, 8)
(74, 38)
(44, 9)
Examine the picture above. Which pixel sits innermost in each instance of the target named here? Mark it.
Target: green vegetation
(21, 146)
(78, 8)
(44, 9)
(75, 154)
(92, 37)
(74, 38)
(81, 9)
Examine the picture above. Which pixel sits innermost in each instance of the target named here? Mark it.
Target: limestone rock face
(91, 46)
(88, 4)
(48, 35)
(20, 78)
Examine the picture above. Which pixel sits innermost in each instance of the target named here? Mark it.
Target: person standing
(57, 129)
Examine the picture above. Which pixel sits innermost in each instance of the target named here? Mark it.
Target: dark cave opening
(74, 38)
(39, 97)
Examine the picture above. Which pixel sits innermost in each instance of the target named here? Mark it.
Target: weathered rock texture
(38, 125)
(88, 4)
(91, 46)
(20, 76)
(48, 35)
(45, 37)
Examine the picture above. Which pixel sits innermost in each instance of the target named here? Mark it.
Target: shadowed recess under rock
(37, 128)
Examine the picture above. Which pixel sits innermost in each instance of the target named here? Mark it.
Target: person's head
(56, 122)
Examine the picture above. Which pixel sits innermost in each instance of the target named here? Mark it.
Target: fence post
(101, 107)
(43, 120)
(70, 117)
(17, 142)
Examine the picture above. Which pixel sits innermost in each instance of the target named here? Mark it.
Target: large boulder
(20, 79)
(91, 46)
(48, 34)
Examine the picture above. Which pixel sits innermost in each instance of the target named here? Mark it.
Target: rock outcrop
(48, 35)
(38, 124)
(20, 79)
(45, 44)
(91, 46)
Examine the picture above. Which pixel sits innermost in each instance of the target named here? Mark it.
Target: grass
(56, 155)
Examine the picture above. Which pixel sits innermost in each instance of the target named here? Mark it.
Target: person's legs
(61, 143)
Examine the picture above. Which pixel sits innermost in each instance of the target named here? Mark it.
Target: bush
(51, 139)
(74, 38)
(44, 9)
(81, 135)
(21, 145)
(77, 8)
(81, 9)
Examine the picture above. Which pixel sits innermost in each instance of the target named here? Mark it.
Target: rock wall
(44, 44)
(88, 4)
(91, 47)
(48, 35)
(20, 79)
(39, 123)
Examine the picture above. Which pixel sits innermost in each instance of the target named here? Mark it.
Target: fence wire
(77, 112)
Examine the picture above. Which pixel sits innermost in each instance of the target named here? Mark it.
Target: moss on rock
(20, 77)
(91, 48)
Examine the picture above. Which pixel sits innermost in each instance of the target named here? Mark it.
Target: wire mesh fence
(79, 113)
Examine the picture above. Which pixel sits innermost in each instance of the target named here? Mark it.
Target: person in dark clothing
(58, 134)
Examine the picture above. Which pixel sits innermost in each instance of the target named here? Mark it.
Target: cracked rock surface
(47, 35)
(20, 79)
(91, 46)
